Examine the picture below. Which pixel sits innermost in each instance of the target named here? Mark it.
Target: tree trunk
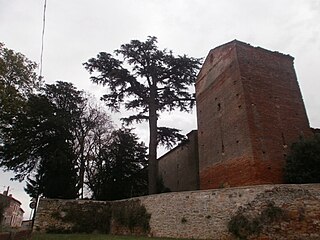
(153, 162)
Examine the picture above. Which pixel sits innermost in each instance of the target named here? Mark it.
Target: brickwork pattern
(250, 110)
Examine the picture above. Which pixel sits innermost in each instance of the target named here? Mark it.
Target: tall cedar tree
(155, 81)
(119, 172)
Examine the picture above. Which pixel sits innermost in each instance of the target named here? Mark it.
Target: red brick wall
(250, 110)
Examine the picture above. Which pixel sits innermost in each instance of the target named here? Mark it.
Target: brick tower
(250, 110)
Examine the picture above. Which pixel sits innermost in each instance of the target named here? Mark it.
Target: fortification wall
(250, 110)
(179, 168)
(276, 211)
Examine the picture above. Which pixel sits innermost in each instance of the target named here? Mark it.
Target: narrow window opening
(222, 148)
(219, 106)
(263, 152)
(237, 141)
(239, 106)
(284, 144)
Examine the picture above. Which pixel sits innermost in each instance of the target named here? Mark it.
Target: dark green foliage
(17, 80)
(156, 81)
(86, 218)
(40, 142)
(40, 236)
(120, 171)
(271, 213)
(58, 230)
(34, 186)
(303, 161)
(96, 216)
(243, 226)
(131, 214)
(161, 188)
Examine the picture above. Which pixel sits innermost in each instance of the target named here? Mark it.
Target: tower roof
(216, 53)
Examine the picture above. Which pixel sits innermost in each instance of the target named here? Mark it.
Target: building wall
(13, 214)
(275, 109)
(206, 214)
(179, 167)
(249, 110)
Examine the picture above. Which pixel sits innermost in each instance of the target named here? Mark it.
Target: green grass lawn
(87, 237)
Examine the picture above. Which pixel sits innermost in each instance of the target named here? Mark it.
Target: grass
(88, 237)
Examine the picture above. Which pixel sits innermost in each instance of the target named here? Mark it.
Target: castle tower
(250, 110)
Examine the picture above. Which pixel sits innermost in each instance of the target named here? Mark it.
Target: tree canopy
(303, 161)
(120, 170)
(149, 81)
(17, 80)
(41, 141)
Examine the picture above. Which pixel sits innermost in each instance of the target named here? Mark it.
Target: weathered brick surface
(179, 168)
(249, 109)
(205, 214)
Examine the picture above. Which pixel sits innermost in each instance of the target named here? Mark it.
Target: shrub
(303, 162)
(85, 218)
(131, 214)
(243, 226)
(96, 216)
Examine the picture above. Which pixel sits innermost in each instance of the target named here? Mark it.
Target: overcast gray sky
(78, 30)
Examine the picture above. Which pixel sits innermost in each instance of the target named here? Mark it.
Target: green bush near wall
(243, 226)
(131, 214)
(96, 216)
(85, 218)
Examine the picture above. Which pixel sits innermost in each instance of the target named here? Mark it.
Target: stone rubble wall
(205, 214)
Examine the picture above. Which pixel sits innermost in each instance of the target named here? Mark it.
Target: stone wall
(179, 168)
(206, 214)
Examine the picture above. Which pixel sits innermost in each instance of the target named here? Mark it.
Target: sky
(78, 30)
